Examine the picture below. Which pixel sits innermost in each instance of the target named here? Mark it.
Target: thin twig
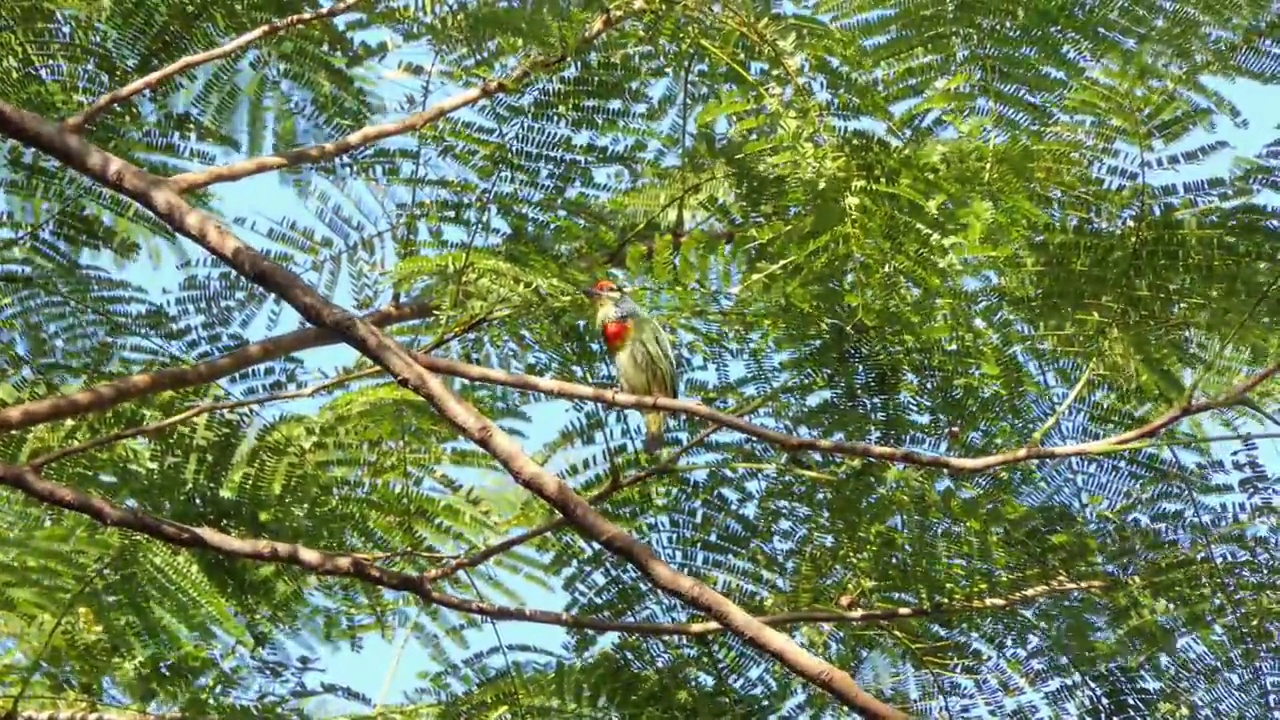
(196, 411)
(618, 253)
(96, 715)
(502, 646)
(1062, 408)
(396, 554)
(53, 631)
(609, 490)
(1226, 342)
(1189, 441)
(186, 182)
(76, 123)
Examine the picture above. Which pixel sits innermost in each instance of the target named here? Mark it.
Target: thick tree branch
(363, 568)
(159, 197)
(187, 182)
(76, 123)
(108, 395)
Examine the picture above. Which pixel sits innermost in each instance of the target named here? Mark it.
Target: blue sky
(366, 671)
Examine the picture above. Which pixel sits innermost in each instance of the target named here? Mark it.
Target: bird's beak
(591, 292)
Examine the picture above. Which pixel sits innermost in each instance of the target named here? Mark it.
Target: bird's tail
(653, 437)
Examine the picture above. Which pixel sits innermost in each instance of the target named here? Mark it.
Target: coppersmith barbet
(640, 350)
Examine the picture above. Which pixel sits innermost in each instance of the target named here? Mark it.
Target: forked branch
(205, 408)
(187, 182)
(613, 487)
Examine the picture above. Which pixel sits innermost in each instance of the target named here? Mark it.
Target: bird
(640, 350)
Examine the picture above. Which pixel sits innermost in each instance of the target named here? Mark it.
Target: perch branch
(116, 392)
(1120, 441)
(77, 123)
(159, 197)
(186, 182)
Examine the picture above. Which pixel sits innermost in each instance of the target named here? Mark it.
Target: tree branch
(108, 395)
(77, 123)
(215, 406)
(458, 563)
(191, 412)
(363, 568)
(159, 197)
(615, 398)
(94, 715)
(888, 614)
(797, 617)
(187, 182)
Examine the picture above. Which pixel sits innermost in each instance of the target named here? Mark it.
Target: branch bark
(362, 568)
(160, 198)
(77, 123)
(187, 182)
(108, 395)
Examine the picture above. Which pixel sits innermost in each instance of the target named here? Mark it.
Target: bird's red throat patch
(616, 334)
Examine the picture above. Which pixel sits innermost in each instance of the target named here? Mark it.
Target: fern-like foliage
(954, 227)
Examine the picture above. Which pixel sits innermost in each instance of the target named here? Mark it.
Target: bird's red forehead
(605, 286)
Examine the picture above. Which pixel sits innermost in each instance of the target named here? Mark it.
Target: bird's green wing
(658, 346)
